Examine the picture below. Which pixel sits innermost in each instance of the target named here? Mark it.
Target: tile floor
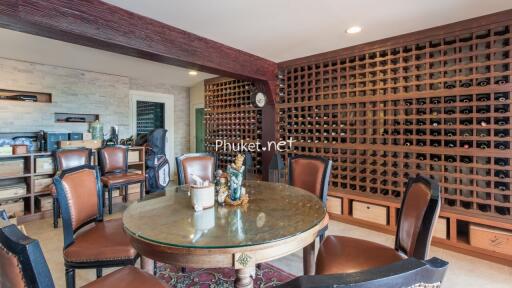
(464, 271)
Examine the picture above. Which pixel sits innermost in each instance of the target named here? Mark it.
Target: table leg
(243, 278)
(147, 264)
(308, 258)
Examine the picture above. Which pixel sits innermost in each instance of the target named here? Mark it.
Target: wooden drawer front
(441, 228)
(12, 167)
(44, 165)
(133, 156)
(43, 184)
(370, 212)
(334, 204)
(13, 209)
(13, 191)
(490, 238)
(91, 144)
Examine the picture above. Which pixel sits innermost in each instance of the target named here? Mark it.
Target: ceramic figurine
(222, 194)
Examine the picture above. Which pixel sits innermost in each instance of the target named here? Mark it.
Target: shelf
(383, 114)
(14, 198)
(25, 96)
(230, 116)
(15, 176)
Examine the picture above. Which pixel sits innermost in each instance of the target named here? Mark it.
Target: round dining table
(278, 220)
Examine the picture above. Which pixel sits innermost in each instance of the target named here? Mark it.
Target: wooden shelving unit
(28, 178)
(230, 117)
(31, 212)
(439, 106)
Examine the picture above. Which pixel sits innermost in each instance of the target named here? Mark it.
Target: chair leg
(99, 272)
(183, 269)
(142, 191)
(70, 278)
(125, 193)
(55, 213)
(109, 200)
(155, 269)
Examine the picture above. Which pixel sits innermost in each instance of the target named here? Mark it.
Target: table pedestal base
(243, 278)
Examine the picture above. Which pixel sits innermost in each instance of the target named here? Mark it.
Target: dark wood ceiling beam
(103, 26)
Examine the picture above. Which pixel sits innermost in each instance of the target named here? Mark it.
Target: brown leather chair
(115, 175)
(310, 173)
(22, 264)
(200, 164)
(89, 242)
(66, 159)
(418, 214)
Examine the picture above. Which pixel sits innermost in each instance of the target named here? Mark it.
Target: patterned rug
(268, 276)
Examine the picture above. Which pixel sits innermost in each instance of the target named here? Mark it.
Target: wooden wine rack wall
(439, 106)
(230, 117)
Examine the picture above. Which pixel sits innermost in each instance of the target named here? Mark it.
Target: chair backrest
(409, 272)
(69, 158)
(113, 159)
(80, 198)
(310, 173)
(200, 164)
(22, 263)
(418, 214)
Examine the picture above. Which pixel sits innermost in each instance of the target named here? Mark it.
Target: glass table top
(275, 212)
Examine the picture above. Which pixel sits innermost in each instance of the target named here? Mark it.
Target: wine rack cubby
(438, 106)
(231, 117)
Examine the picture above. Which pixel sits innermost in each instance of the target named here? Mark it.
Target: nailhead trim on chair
(425, 285)
(17, 263)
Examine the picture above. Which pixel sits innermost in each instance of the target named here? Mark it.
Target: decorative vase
(235, 183)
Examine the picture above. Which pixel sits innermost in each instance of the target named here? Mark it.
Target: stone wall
(77, 91)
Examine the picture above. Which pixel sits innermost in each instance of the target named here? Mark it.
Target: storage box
(133, 156)
(13, 190)
(441, 228)
(494, 239)
(5, 150)
(370, 212)
(75, 136)
(42, 184)
(13, 208)
(44, 165)
(52, 139)
(333, 204)
(86, 136)
(91, 144)
(12, 167)
(18, 149)
(44, 202)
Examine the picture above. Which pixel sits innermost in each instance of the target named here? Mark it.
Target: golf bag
(158, 170)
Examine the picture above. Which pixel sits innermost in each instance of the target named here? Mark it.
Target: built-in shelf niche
(75, 118)
(25, 96)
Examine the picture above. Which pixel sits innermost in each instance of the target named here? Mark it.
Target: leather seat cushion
(123, 178)
(339, 254)
(127, 277)
(102, 242)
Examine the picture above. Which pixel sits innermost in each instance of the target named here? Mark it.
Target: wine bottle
(483, 98)
(501, 145)
(483, 145)
(502, 162)
(502, 133)
(450, 85)
(482, 110)
(450, 159)
(466, 84)
(483, 82)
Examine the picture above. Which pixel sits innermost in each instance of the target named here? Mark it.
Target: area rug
(267, 276)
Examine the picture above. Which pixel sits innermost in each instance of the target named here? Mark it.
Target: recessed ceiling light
(192, 73)
(354, 29)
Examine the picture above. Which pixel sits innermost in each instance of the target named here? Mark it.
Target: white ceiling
(286, 29)
(26, 47)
